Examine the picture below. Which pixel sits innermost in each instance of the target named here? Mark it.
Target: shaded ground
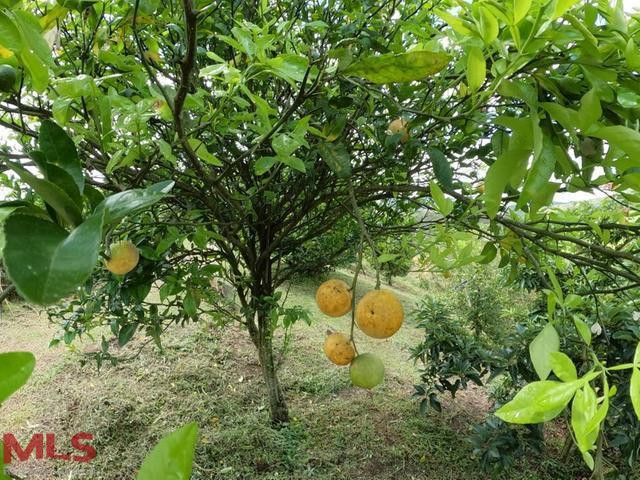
(212, 377)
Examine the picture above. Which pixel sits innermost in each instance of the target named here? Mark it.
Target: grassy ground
(212, 376)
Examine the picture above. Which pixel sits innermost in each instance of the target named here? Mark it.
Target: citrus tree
(220, 138)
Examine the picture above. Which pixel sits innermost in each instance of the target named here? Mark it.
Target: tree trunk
(277, 403)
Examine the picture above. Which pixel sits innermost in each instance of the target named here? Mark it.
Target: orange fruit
(379, 314)
(399, 125)
(339, 349)
(366, 371)
(334, 298)
(124, 257)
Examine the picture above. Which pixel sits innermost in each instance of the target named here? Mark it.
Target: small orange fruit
(379, 314)
(339, 349)
(334, 298)
(399, 125)
(124, 257)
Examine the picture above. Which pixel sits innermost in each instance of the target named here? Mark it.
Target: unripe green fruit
(8, 78)
(366, 371)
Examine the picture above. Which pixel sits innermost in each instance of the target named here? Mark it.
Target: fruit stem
(354, 284)
(365, 232)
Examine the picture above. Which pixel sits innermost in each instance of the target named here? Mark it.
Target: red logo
(43, 445)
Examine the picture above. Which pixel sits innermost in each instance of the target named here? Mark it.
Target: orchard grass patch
(209, 376)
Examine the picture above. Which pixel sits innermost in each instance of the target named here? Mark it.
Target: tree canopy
(223, 137)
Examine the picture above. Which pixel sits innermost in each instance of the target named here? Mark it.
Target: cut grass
(212, 376)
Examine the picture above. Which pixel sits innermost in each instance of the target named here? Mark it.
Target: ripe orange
(124, 257)
(339, 349)
(334, 298)
(366, 371)
(399, 125)
(379, 314)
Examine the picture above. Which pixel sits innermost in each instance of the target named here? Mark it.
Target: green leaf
(546, 341)
(488, 253)
(125, 203)
(590, 109)
(337, 157)
(289, 67)
(264, 164)
(51, 194)
(634, 390)
(583, 330)
(636, 357)
(172, 458)
(293, 162)
(499, 175)
(632, 55)
(520, 10)
(36, 68)
(9, 34)
(401, 67)
(488, 25)
(387, 257)
(455, 23)
(126, 334)
(443, 204)
(476, 68)
(626, 139)
(561, 7)
(441, 168)
(60, 150)
(563, 367)
(15, 370)
(583, 410)
(203, 154)
(538, 402)
(44, 261)
(541, 170)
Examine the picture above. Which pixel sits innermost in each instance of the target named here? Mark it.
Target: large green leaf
(15, 370)
(488, 25)
(46, 263)
(583, 330)
(476, 68)
(443, 204)
(540, 349)
(9, 34)
(336, 156)
(499, 175)
(634, 390)
(441, 168)
(583, 410)
(590, 109)
(52, 194)
(520, 9)
(563, 367)
(538, 402)
(60, 150)
(121, 204)
(624, 138)
(401, 67)
(541, 170)
(172, 458)
(561, 7)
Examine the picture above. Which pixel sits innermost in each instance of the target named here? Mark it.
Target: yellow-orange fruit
(399, 125)
(334, 298)
(379, 314)
(339, 349)
(124, 257)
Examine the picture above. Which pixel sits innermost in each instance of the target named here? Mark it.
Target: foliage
(270, 125)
